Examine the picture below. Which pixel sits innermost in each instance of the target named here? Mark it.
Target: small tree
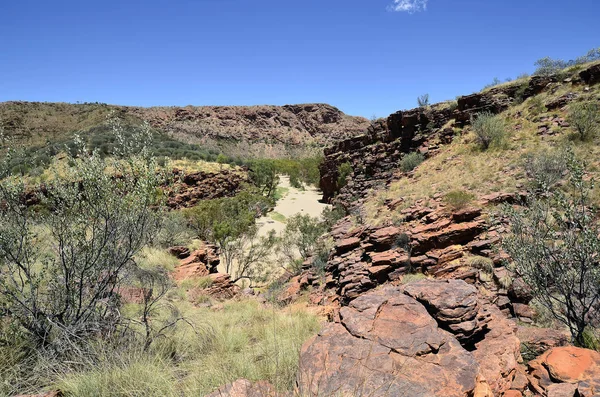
(423, 100)
(490, 130)
(62, 262)
(300, 237)
(263, 175)
(585, 117)
(556, 249)
(230, 224)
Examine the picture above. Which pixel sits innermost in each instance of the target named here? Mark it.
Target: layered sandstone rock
(386, 344)
(192, 188)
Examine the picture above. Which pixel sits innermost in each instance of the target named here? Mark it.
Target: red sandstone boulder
(199, 263)
(386, 345)
(572, 365)
(453, 303)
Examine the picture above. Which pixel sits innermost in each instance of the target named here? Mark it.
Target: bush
(458, 199)
(423, 100)
(585, 118)
(545, 169)
(332, 215)
(60, 267)
(410, 161)
(490, 130)
(537, 105)
(555, 245)
(300, 237)
(263, 174)
(230, 224)
(344, 171)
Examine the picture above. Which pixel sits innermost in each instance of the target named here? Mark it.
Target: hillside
(237, 131)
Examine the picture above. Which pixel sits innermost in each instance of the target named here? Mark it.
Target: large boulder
(567, 364)
(481, 328)
(200, 263)
(453, 303)
(386, 344)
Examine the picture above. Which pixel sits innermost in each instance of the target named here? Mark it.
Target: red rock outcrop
(191, 188)
(386, 344)
(203, 263)
(566, 370)
(199, 263)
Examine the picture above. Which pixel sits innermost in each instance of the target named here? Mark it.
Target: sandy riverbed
(295, 201)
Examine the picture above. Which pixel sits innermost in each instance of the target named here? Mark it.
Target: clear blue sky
(358, 55)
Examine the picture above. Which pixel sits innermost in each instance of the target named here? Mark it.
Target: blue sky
(367, 57)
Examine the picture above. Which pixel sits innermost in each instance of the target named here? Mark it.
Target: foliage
(494, 83)
(344, 171)
(410, 161)
(230, 224)
(174, 230)
(555, 246)
(545, 169)
(423, 100)
(548, 66)
(300, 237)
(263, 174)
(60, 267)
(481, 263)
(537, 105)
(585, 118)
(490, 130)
(332, 215)
(458, 199)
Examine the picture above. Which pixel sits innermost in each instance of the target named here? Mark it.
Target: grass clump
(490, 130)
(197, 282)
(152, 258)
(139, 378)
(411, 161)
(481, 263)
(545, 169)
(276, 216)
(585, 118)
(458, 199)
(242, 339)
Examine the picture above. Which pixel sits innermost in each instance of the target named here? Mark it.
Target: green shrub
(300, 237)
(585, 118)
(490, 130)
(554, 245)
(410, 161)
(481, 263)
(458, 199)
(545, 168)
(332, 215)
(344, 171)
